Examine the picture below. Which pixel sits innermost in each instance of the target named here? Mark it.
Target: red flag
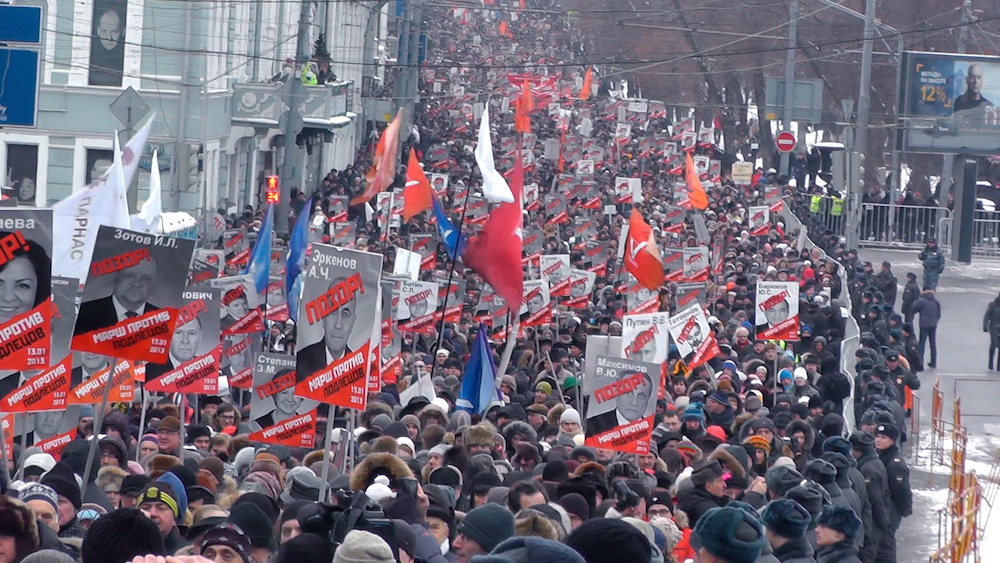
(696, 193)
(562, 158)
(417, 193)
(525, 103)
(383, 169)
(505, 30)
(642, 257)
(588, 82)
(495, 253)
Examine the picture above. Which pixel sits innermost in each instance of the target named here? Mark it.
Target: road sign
(129, 107)
(785, 141)
(21, 24)
(19, 96)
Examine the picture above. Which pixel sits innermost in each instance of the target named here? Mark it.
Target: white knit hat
(570, 415)
(363, 547)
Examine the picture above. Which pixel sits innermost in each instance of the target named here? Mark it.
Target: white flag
(76, 218)
(495, 187)
(148, 218)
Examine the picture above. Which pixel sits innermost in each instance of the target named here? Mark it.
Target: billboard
(947, 103)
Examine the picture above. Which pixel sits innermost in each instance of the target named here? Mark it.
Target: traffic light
(859, 172)
(272, 189)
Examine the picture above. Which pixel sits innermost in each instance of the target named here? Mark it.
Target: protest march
(543, 321)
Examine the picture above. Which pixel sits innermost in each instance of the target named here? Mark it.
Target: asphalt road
(963, 349)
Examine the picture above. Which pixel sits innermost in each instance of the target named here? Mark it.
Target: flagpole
(451, 274)
(98, 418)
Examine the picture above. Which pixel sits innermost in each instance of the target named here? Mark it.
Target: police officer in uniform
(901, 377)
(898, 479)
(873, 471)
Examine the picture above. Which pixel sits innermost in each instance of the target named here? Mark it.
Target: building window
(22, 172)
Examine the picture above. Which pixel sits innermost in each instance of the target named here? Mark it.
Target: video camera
(352, 511)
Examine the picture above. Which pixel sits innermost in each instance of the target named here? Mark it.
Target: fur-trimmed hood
(806, 429)
(590, 467)
(17, 521)
(518, 427)
(728, 461)
(481, 433)
(110, 476)
(379, 464)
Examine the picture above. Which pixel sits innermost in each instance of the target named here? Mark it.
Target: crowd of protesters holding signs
(558, 331)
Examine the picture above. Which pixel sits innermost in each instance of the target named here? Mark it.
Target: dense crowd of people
(768, 451)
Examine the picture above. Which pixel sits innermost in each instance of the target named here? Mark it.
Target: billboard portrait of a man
(972, 98)
(107, 43)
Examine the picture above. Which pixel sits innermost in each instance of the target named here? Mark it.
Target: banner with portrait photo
(555, 271)
(343, 233)
(206, 264)
(25, 288)
(237, 361)
(694, 338)
(339, 205)
(392, 339)
(89, 379)
(277, 414)
(418, 301)
(646, 337)
(426, 246)
(581, 287)
(64, 294)
(132, 294)
(439, 184)
(639, 298)
(620, 402)
(51, 431)
(43, 392)
(696, 264)
(240, 305)
(236, 246)
(536, 305)
(776, 310)
(279, 261)
(336, 319)
(691, 294)
(195, 352)
(275, 300)
(759, 220)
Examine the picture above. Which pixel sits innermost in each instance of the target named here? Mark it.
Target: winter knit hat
(38, 491)
(120, 536)
(487, 525)
(363, 547)
(570, 415)
(780, 479)
(229, 535)
(600, 540)
(63, 481)
(530, 549)
(730, 534)
(305, 548)
(17, 521)
(705, 472)
(163, 491)
(48, 556)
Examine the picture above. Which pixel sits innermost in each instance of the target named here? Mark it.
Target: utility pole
(861, 129)
(295, 94)
(786, 118)
(947, 170)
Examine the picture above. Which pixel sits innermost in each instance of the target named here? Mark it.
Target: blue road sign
(20, 24)
(18, 87)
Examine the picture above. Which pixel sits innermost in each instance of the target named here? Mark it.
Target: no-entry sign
(785, 141)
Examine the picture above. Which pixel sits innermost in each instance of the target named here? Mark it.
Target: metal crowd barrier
(887, 224)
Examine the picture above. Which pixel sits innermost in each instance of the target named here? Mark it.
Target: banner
(696, 263)
(581, 287)
(336, 317)
(639, 298)
(694, 338)
(25, 283)
(392, 340)
(46, 391)
(275, 300)
(621, 400)
(342, 234)
(89, 379)
(776, 311)
(64, 292)
(130, 299)
(759, 220)
(238, 352)
(742, 173)
(555, 272)
(277, 415)
(51, 431)
(338, 209)
(192, 365)
(236, 246)
(418, 301)
(536, 305)
(206, 265)
(691, 294)
(646, 337)
(240, 305)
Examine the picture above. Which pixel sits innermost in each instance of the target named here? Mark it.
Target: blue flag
(479, 387)
(260, 261)
(454, 240)
(297, 259)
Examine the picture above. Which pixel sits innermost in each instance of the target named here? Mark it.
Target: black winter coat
(840, 552)
(696, 501)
